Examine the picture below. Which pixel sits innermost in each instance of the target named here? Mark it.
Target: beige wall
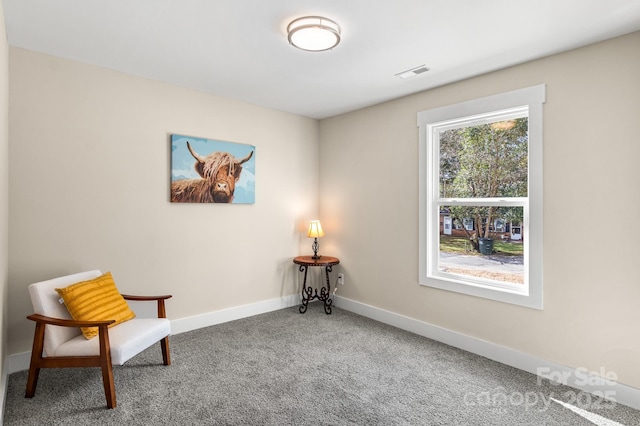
(4, 190)
(369, 191)
(89, 183)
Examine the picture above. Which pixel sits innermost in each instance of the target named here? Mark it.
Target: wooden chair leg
(109, 386)
(164, 343)
(36, 356)
(107, 368)
(166, 353)
(32, 382)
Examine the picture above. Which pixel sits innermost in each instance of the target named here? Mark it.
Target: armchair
(59, 343)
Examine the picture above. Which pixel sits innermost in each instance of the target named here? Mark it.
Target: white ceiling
(238, 48)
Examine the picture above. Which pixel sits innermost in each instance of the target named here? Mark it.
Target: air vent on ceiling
(413, 72)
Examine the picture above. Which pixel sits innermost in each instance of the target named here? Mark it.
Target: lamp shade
(315, 229)
(313, 33)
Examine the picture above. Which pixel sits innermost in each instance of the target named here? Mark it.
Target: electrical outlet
(341, 279)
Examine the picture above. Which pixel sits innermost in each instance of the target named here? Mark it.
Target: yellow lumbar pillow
(95, 300)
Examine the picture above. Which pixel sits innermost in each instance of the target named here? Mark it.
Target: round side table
(308, 293)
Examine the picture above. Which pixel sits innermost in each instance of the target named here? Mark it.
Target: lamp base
(315, 246)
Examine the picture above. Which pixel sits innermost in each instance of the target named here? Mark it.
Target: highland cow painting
(212, 171)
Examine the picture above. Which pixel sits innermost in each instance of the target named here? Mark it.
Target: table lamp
(315, 232)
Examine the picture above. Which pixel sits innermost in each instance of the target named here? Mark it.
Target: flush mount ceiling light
(314, 33)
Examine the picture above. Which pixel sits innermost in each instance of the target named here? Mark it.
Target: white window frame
(434, 120)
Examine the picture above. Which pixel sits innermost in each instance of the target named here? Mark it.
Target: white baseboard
(20, 361)
(195, 322)
(4, 381)
(577, 378)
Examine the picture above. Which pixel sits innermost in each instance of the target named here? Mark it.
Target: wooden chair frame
(103, 360)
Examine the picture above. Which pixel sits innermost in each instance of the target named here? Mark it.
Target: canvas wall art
(212, 171)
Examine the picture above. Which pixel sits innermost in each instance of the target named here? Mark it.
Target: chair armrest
(162, 313)
(68, 323)
(143, 298)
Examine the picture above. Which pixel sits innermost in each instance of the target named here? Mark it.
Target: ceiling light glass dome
(314, 33)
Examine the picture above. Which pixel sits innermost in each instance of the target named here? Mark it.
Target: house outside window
(481, 162)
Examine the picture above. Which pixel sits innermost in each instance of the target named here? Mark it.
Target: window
(481, 165)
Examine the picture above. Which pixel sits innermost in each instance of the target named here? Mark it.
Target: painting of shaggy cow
(218, 173)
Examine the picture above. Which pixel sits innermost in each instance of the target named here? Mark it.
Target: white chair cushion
(126, 340)
(45, 301)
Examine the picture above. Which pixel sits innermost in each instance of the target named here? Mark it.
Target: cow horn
(245, 159)
(195, 154)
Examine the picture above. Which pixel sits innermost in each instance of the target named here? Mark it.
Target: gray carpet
(284, 368)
